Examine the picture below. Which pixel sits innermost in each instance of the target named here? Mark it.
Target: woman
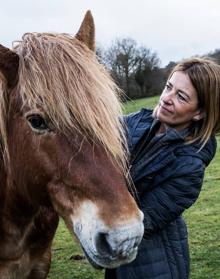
(169, 150)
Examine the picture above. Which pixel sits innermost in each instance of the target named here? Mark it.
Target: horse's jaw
(106, 247)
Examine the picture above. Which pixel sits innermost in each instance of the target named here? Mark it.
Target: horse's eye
(37, 122)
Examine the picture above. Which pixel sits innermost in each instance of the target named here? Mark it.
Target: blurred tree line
(215, 55)
(136, 69)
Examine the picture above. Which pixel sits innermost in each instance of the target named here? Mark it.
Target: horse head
(62, 144)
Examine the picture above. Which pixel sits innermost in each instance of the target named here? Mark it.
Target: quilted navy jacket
(168, 176)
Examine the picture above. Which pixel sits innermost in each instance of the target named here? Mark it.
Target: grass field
(203, 221)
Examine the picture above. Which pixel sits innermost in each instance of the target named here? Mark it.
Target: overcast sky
(175, 29)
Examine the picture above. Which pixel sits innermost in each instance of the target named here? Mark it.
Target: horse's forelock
(65, 76)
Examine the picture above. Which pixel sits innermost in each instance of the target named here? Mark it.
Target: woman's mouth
(165, 109)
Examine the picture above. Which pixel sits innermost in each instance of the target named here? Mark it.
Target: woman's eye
(37, 122)
(167, 86)
(181, 97)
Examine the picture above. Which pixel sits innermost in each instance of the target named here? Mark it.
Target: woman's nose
(167, 98)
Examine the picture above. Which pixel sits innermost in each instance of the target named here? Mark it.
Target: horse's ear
(9, 63)
(86, 33)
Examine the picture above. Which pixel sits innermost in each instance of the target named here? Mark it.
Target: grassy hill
(203, 221)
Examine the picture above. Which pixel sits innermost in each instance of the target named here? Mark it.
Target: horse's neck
(20, 221)
(3, 190)
(15, 222)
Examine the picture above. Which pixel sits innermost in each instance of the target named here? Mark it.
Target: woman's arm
(167, 201)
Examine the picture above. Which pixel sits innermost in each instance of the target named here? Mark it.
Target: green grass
(140, 103)
(203, 221)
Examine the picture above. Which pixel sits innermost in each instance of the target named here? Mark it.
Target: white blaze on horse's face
(104, 246)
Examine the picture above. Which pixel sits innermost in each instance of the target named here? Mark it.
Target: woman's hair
(204, 74)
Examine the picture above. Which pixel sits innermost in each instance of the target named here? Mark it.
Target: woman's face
(178, 104)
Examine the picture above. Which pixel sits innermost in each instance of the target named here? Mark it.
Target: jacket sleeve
(168, 200)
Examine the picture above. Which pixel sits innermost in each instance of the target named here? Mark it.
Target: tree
(133, 68)
(121, 58)
(215, 55)
(147, 63)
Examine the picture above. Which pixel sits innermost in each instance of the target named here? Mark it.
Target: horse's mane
(60, 75)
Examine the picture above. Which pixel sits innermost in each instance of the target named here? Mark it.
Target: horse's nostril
(102, 245)
(114, 247)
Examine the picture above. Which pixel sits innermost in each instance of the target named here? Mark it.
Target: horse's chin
(108, 262)
(91, 261)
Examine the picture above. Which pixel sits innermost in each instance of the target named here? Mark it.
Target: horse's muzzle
(118, 246)
(109, 247)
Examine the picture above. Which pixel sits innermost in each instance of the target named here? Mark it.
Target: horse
(62, 154)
